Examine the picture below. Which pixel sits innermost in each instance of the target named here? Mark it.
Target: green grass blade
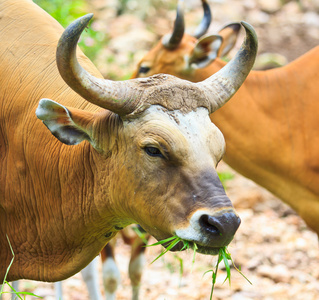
(186, 245)
(164, 241)
(207, 272)
(195, 250)
(13, 291)
(181, 267)
(227, 268)
(140, 234)
(239, 271)
(169, 247)
(11, 262)
(214, 276)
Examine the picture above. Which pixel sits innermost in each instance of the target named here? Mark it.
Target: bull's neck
(82, 208)
(64, 212)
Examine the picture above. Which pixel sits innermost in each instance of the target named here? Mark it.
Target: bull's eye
(144, 70)
(153, 151)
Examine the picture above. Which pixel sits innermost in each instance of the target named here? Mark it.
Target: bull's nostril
(222, 225)
(209, 224)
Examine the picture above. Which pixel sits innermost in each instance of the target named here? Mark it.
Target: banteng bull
(221, 44)
(271, 124)
(106, 154)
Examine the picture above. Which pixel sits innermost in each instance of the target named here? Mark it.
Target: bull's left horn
(221, 86)
(118, 96)
(171, 41)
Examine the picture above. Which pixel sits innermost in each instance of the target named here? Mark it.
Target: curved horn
(118, 96)
(221, 86)
(171, 41)
(205, 23)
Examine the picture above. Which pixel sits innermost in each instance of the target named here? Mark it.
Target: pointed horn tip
(88, 17)
(74, 30)
(81, 22)
(84, 19)
(250, 30)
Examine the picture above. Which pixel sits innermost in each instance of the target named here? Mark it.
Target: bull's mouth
(180, 246)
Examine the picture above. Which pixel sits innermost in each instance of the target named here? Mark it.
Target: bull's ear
(69, 125)
(205, 51)
(229, 33)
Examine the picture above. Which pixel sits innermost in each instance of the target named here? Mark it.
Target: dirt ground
(273, 246)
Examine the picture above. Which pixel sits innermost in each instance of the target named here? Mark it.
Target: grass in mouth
(223, 255)
(13, 291)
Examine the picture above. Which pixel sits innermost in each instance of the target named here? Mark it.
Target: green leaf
(181, 265)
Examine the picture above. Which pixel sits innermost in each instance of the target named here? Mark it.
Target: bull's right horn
(205, 23)
(221, 86)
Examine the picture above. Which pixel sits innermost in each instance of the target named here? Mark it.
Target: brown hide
(270, 126)
(27, 212)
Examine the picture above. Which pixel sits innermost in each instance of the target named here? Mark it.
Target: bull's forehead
(186, 134)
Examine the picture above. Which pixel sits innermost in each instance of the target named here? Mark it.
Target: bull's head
(181, 54)
(156, 150)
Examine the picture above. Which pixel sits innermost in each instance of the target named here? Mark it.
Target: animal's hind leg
(111, 273)
(91, 278)
(58, 290)
(137, 263)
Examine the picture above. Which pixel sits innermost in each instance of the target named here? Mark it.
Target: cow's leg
(90, 277)
(110, 271)
(15, 285)
(137, 261)
(58, 290)
(136, 266)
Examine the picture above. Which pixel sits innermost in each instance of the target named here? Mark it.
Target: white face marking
(193, 131)
(202, 134)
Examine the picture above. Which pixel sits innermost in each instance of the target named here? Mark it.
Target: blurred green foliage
(65, 12)
(224, 177)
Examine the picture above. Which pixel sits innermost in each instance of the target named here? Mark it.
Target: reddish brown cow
(220, 44)
(64, 195)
